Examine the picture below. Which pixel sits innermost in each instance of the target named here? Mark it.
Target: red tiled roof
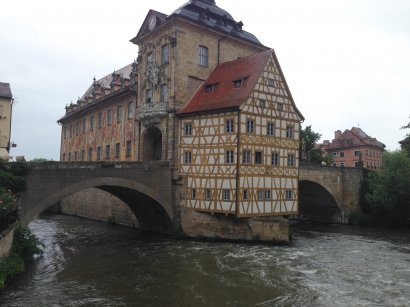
(225, 95)
(354, 137)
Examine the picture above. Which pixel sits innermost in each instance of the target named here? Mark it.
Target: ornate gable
(151, 22)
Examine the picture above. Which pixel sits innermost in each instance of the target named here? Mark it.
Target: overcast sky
(347, 62)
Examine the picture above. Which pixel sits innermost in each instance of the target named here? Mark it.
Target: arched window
(203, 56)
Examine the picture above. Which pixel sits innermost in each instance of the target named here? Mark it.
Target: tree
(388, 190)
(309, 151)
(405, 144)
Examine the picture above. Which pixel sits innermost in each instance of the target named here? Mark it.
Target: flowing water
(87, 263)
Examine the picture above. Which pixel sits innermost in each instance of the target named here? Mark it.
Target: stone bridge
(327, 193)
(145, 187)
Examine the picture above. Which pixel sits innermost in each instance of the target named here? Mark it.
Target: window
(229, 125)
(289, 132)
(187, 157)
(249, 126)
(270, 129)
(258, 157)
(117, 150)
(203, 56)
(92, 122)
(75, 156)
(246, 157)
(164, 54)
(130, 110)
(193, 193)
(334, 154)
(260, 194)
(237, 83)
(84, 124)
(98, 153)
(271, 82)
(109, 117)
(275, 158)
(107, 152)
(188, 129)
(208, 194)
(128, 149)
(63, 157)
(148, 96)
(245, 195)
(288, 194)
(280, 107)
(342, 154)
(90, 154)
(65, 132)
(209, 87)
(82, 155)
(262, 103)
(229, 157)
(119, 114)
(291, 160)
(164, 93)
(100, 121)
(69, 156)
(356, 164)
(268, 194)
(227, 195)
(367, 152)
(342, 164)
(77, 128)
(71, 131)
(356, 153)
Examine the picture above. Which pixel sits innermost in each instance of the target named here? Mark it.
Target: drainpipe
(219, 47)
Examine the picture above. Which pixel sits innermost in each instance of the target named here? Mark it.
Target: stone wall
(197, 224)
(97, 205)
(6, 240)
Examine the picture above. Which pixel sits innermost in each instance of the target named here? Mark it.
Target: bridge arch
(317, 203)
(153, 212)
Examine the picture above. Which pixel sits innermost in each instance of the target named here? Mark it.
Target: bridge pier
(197, 224)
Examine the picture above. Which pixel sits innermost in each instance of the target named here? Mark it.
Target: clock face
(152, 22)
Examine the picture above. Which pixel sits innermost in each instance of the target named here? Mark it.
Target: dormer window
(237, 83)
(209, 88)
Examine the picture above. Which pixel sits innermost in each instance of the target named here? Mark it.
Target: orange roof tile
(224, 94)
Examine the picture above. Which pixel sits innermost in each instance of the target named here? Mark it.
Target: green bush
(25, 243)
(387, 192)
(8, 209)
(10, 267)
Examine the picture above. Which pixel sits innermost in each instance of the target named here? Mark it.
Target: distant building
(6, 107)
(209, 98)
(354, 148)
(405, 144)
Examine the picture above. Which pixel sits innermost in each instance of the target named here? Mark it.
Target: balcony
(150, 112)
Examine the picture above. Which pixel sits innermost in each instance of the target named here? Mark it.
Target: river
(88, 263)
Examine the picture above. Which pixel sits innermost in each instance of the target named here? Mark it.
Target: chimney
(338, 133)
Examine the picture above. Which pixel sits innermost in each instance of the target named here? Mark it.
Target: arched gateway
(153, 144)
(145, 188)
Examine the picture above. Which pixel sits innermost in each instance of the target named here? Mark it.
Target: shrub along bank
(25, 244)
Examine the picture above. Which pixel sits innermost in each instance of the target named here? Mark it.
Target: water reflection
(88, 263)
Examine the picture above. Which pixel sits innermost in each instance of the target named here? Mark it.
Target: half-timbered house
(239, 143)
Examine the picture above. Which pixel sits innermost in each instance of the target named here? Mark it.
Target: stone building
(6, 107)
(354, 148)
(210, 99)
